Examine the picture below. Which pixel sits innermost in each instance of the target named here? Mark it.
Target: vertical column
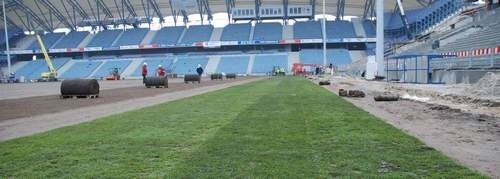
(6, 38)
(324, 34)
(379, 55)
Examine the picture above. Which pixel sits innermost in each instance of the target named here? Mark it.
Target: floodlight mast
(324, 34)
(379, 49)
(7, 38)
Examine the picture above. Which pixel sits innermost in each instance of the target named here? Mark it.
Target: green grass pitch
(283, 128)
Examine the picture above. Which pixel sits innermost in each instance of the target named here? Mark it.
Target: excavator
(50, 75)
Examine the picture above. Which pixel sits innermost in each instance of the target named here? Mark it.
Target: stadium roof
(52, 14)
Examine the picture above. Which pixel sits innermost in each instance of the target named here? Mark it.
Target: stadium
(250, 89)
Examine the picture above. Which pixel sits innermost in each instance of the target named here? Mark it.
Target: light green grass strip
(286, 128)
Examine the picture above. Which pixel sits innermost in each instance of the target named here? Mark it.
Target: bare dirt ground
(464, 128)
(26, 116)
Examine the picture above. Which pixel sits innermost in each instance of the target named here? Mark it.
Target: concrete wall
(459, 76)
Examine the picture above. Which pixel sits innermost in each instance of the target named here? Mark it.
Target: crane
(51, 75)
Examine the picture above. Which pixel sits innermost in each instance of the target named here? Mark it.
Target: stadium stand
(33, 69)
(108, 66)
(48, 40)
(334, 56)
(153, 62)
(233, 64)
(197, 33)
(168, 35)
(236, 32)
(268, 31)
(188, 64)
(307, 30)
(340, 29)
(72, 39)
(12, 32)
(104, 38)
(264, 63)
(487, 37)
(80, 69)
(369, 27)
(131, 37)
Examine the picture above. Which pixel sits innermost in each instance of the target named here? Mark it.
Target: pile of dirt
(488, 86)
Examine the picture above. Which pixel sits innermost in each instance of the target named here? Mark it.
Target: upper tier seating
(233, 64)
(33, 69)
(307, 30)
(166, 62)
(264, 63)
(236, 32)
(486, 37)
(268, 31)
(131, 37)
(168, 35)
(11, 32)
(197, 33)
(104, 38)
(340, 29)
(369, 27)
(47, 39)
(80, 69)
(72, 39)
(188, 64)
(109, 65)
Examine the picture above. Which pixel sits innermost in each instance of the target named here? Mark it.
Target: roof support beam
(33, 15)
(204, 8)
(54, 11)
(313, 4)
(129, 7)
(230, 4)
(285, 10)
(157, 10)
(78, 8)
(340, 10)
(9, 21)
(369, 9)
(258, 4)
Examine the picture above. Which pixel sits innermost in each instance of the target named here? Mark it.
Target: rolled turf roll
(192, 78)
(216, 76)
(386, 97)
(156, 82)
(231, 75)
(79, 87)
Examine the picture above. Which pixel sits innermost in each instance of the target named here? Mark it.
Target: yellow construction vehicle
(51, 75)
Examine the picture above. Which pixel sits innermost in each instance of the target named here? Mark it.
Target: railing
(487, 62)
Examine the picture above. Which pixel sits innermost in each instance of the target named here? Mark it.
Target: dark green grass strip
(285, 128)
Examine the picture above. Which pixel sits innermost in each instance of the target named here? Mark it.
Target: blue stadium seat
(233, 64)
(153, 63)
(11, 32)
(264, 63)
(48, 40)
(188, 64)
(80, 69)
(168, 35)
(334, 56)
(197, 33)
(72, 39)
(110, 65)
(340, 29)
(104, 38)
(236, 32)
(33, 69)
(307, 30)
(131, 37)
(369, 27)
(268, 31)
